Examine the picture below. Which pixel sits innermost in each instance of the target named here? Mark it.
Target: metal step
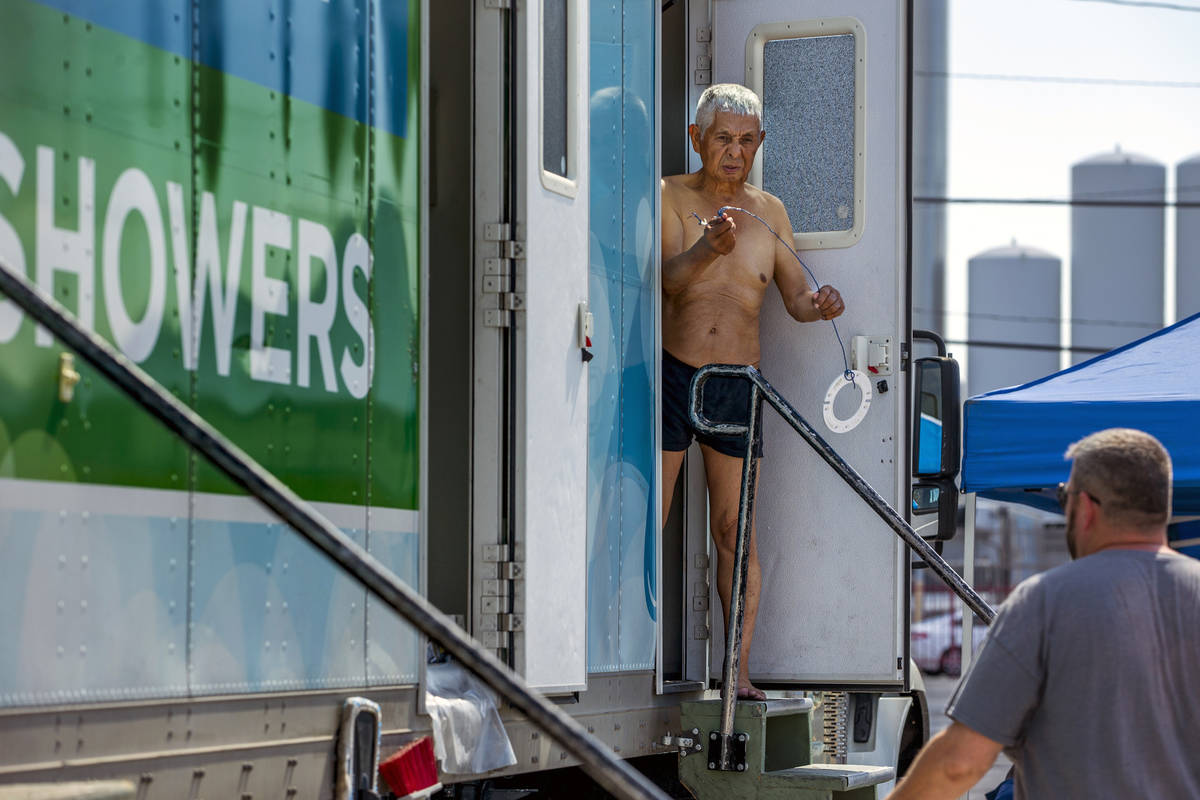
(771, 707)
(784, 706)
(832, 777)
(778, 751)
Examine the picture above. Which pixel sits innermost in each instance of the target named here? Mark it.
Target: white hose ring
(851, 422)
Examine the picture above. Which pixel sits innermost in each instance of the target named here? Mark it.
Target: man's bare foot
(750, 692)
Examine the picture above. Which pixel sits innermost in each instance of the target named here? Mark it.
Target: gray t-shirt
(1090, 678)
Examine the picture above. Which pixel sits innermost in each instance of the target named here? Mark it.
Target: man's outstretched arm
(948, 766)
(802, 302)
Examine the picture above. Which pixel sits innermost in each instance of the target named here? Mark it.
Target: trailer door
(832, 77)
(531, 223)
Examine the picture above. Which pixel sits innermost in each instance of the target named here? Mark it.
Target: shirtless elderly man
(714, 278)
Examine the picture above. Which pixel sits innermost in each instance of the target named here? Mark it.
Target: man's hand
(948, 766)
(827, 302)
(719, 234)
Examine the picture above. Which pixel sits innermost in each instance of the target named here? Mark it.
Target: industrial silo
(1013, 328)
(1117, 242)
(1187, 238)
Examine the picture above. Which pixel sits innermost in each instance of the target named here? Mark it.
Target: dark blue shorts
(725, 400)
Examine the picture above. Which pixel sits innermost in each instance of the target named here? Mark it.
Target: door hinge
(502, 595)
(500, 275)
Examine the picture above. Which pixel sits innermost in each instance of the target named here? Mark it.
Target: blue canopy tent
(1014, 439)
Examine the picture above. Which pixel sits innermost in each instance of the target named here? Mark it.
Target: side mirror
(937, 419)
(940, 497)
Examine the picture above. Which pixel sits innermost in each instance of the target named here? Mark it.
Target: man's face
(728, 147)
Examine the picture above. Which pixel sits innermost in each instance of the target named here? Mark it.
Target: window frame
(756, 43)
(568, 185)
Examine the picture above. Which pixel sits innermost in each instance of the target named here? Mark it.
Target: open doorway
(449, 312)
(685, 558)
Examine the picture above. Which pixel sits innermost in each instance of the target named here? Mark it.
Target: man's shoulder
(1075, 571)
(674, 190)
(1094, 575)
(763, 196)
(764, 203)
(675, 183)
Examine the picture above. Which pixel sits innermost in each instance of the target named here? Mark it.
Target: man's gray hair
(732, 97)
(1128, 471)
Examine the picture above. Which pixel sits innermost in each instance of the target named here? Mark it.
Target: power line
(1145, 4)
(1128, 192)
(1040, 347)
(1132, 193)
(1062, 79)
(1044, 201)
(1099, 323)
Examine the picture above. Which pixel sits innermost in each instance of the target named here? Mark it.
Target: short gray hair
(732, 97)
(1129, 471)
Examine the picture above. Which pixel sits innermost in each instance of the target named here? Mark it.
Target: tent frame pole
(968, 625)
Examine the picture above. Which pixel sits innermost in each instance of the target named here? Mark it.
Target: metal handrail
(761, 389)
(609, 771)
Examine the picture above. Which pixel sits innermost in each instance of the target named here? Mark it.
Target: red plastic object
(411, 770)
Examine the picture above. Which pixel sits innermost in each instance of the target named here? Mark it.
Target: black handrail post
(741, 571)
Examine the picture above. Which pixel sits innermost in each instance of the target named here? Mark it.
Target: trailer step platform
(837, 778)
(778, 760)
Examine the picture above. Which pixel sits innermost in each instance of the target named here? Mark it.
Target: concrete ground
(938, 689)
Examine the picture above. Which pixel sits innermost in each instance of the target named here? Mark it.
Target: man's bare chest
(752, 260)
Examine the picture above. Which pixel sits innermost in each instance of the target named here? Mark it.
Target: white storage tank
(1187, 238)
(1013, 299)
(1117, 250)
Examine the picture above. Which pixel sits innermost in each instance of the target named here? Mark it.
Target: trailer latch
(686, 745)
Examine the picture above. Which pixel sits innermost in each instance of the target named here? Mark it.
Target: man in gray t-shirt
(1088, 676)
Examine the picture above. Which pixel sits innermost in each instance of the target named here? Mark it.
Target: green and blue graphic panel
(229, 192)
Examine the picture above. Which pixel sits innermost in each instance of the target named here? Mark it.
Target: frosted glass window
(808, 113)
